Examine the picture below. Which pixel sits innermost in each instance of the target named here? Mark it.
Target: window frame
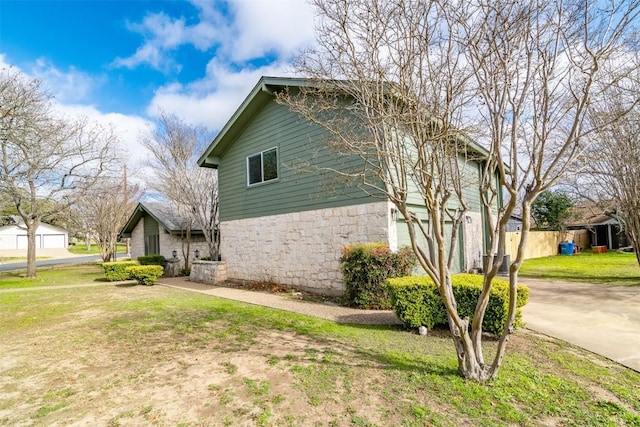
(262, 180)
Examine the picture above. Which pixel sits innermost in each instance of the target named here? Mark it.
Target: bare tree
(175, 147)
(45, 157)
(103, 217)
(403, 84)
(610, 170)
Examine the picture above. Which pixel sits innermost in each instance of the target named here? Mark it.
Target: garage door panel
(54, 241)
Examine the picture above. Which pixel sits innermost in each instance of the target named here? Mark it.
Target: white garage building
(14, 236)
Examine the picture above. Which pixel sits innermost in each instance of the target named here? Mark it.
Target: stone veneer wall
(171, 242)
(302, 249)
(210, 272)
(137, 241)
(168, 242)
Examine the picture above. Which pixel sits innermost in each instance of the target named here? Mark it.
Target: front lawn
(135, 355)
(53, 276)
(610, 267)
(81, 249)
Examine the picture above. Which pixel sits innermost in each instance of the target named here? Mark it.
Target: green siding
(404, 240)
(151, 227)
(470, 188)
(302, 182)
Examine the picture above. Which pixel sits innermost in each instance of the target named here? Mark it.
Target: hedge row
(417, 302)
(366, 266)
(127, 270)
(116, 271)
(152, 260)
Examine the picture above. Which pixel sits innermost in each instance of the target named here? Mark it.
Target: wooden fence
(545, 243)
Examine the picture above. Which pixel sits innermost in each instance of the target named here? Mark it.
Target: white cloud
(249, 30)
(164, 34)
(127, 128)
(68, 86)
(262, 27)
(252, 30)
(212, 100)
(71, 85)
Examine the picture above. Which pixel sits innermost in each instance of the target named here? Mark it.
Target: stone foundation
(210, 272)
(302, 249)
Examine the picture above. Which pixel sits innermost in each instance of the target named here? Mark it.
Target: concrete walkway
(599, 318)
(602, 319)
(287, 303)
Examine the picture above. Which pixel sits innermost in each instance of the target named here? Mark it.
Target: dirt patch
(99, 367)
(276, 288)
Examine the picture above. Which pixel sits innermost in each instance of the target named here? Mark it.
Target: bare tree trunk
(32, 226)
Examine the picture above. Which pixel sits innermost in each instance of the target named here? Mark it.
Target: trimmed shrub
(152, 260)
(116, 271)
(366, 266)
(417, 302)
(145, 274)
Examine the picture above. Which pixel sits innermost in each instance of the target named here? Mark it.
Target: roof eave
(260, 94)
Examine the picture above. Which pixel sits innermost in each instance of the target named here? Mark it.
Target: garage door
(54, 241)
(23, 242)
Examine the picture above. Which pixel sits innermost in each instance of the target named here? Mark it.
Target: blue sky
(121, 62)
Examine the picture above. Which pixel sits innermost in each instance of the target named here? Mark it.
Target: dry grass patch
(124, 356)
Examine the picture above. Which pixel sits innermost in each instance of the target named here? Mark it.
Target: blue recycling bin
(566, 248)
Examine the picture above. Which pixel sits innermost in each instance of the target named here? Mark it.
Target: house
(283, 215)
(158, 229)
(514, 223)
(604, 230)
(13, 235)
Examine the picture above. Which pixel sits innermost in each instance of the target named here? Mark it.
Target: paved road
(54, 261)
(603, 319)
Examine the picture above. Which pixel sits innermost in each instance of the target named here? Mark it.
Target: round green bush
(145, 274)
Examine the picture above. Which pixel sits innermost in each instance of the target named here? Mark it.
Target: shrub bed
(152, 260)
(417, 302)
(116, 271)
(366, 266)
(145, 274)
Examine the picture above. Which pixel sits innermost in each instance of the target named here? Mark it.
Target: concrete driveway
(600, 318)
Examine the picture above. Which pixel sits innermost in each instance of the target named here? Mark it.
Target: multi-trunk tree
(428, 86)
(609, 172)
(193, 191)
(102, 218)
(47, 161)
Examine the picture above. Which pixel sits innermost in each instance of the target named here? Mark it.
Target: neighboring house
(283, 215)
(514, 223)
(156, 228)
(13, 235)
(604, 230)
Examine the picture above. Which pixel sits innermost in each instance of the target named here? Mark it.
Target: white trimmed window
(262, 167)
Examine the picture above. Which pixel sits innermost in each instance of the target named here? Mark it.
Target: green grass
(81, 249)
(610, 268)
(362, 375)
(73, 274)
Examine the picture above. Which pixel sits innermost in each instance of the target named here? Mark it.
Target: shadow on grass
(124, 285)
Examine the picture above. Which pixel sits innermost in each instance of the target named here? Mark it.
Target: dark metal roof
(166, 214)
